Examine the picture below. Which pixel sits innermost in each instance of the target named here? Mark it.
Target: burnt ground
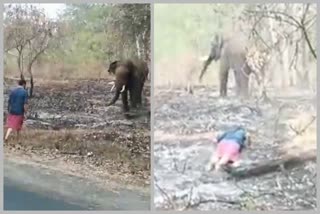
(69, 123)
(183, 126)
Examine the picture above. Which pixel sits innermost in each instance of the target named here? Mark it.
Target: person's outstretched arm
(25, 102)
(220, 136)
(9, 102)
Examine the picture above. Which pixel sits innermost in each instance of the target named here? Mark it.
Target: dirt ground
(186, 123)
(69, 127)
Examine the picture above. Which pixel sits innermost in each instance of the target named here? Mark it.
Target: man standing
(18, 99)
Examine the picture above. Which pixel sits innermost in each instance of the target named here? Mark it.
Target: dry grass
(52, 84)
(68, 151)
(105, 148)
(179, 70)
(55, 71)
(48, 138)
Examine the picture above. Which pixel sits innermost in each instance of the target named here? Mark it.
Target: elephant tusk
(113, 85)
(123, 88)
(112, 88)
(203, 58)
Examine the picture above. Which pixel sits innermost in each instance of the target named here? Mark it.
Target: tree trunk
(290, 71)
(138, 48)
(273, 38)
(285, 64)
(31, 80)
(20, 62)
(304, 58)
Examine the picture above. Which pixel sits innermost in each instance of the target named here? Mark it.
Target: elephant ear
(112, 67)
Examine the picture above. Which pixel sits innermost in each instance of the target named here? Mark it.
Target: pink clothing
(229, 148)
(15, 122)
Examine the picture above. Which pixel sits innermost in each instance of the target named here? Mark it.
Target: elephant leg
(139, 97)
(244, 82)
(124, 96)
(137, 93)
(237, 78)
(133, 98)
(224, 70)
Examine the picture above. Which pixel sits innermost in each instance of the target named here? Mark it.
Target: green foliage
(103, 31)
(95, 34)
(181, 27)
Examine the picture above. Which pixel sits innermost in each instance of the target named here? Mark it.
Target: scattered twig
(165, 195)
(191, 205)
(175, 164)
(301, 131)
(206, 201)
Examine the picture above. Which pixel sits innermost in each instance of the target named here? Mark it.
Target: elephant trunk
(206, 64)
(120, 88)
(115, 98)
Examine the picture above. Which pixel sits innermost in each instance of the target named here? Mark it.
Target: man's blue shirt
(17, 99)
(238, 135)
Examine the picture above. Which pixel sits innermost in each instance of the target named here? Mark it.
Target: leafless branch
(300, 24)
(301, 131)
(165, 195)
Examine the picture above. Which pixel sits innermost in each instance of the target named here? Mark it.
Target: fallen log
(259, 169)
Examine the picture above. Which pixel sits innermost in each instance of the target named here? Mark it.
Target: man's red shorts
(15, 122)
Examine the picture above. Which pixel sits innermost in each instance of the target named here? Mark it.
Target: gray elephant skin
(130, 76)
(232, 55)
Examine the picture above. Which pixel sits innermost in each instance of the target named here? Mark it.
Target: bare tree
(28, 34)
(133, 24)
(285, 31)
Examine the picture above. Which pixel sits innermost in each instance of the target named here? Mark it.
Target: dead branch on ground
(270, 166)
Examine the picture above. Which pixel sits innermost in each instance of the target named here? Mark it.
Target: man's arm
(25, 108)
(9, 101)
(25, 104)
(220, 136)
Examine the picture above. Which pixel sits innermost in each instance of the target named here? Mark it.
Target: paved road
(16, 198)
(27, 187)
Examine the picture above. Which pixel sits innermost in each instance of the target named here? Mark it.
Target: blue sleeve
(26, 98)
(219, 138)
(9, 102)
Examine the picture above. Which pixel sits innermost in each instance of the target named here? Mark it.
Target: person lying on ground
(230, 146)
(17, 106)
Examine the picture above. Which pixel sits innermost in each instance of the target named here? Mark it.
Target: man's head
(22, 83)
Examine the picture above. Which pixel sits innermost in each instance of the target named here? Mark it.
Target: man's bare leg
(223, 161)
(9, 130)
(236, 164)
(214, 159)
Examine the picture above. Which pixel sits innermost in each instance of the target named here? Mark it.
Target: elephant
(130, 76)
(232, 55)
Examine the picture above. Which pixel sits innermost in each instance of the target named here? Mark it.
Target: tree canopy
(83, 37)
